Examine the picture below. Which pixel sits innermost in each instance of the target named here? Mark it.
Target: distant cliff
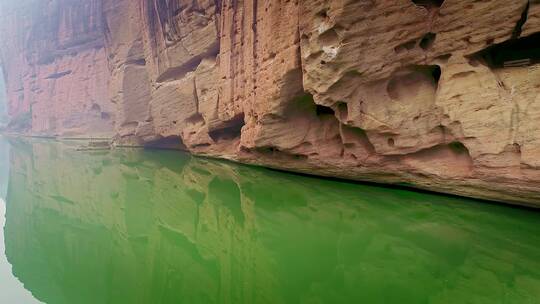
(434, 94)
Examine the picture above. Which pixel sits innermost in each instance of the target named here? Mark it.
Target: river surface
(134, 226)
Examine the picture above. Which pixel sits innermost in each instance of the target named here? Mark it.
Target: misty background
(3, 100)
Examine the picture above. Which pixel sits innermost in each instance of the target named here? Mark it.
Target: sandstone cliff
(434, 94)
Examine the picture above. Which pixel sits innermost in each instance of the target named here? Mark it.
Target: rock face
(55, 66)
(433, 94)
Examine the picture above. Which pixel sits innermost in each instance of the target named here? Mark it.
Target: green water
(132, 226)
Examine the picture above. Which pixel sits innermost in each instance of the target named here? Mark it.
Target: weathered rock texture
(55, 66)
(434, 94)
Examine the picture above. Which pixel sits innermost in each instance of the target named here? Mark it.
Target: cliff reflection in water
(130, 226)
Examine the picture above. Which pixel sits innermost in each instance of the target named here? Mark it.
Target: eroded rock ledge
(439, 95)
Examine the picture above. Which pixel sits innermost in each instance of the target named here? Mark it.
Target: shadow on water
(132, 226)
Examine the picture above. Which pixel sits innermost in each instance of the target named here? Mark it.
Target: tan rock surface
(53, 55)
(433, 94)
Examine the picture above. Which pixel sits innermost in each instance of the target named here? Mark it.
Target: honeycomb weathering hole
(329, 38)
(414, 82)
(407, 46)
(452, 160)
(427, 41)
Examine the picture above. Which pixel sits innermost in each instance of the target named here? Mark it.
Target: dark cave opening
(458, 147)
(512, 53)
(436, 73)
(428, 3)
(168, 143)
(306, 104)
(323, 110)
(231, 131)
